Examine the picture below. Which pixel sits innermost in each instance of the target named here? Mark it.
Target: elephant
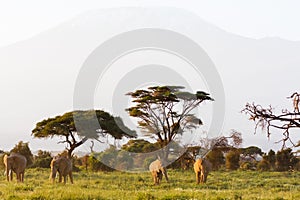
(202, 167)
(157, 170)
(15, 163)
(63, 166)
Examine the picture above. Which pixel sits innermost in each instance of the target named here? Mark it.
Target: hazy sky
(21, 20)
(256, 18)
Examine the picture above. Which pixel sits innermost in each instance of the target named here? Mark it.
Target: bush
(42, 159)
(232, 160)
(248, 166)
(124, 161)
(96, 165)
(285, 160)
(216, 158)
(264, 165)
(23, 149)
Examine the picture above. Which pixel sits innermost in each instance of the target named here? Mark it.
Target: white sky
(20, 20)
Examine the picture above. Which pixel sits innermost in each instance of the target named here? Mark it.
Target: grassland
(121, 185)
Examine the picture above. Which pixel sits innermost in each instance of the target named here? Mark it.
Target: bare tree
(225, 143)
(267, 119)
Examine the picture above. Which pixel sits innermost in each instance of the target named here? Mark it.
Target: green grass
(234, 185)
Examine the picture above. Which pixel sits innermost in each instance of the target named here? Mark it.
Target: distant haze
(38, 75)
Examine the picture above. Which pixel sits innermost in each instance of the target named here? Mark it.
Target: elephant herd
(63, 166)
(17, 163)
(201, 169)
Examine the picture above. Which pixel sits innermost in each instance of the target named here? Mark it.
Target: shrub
(285, 160)
(23, 149)
(216, 158)
(42, 159)
(247, 166)
(263, 165)
(232, 160)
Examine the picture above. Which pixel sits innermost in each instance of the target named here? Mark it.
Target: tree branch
(266, 118)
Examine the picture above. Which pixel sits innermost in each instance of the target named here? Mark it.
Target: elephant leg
(159, 176)
(65, 179)
(166, 176)
(202, 177)
(205, 177)
(18, 177)
(60, 177)
(7, 174)
(10, 175)
(71, 177)
(22, 177)
(198, 177)
(154, 177)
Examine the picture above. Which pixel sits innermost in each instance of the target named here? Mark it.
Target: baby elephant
(157, 170)
(202, 168)
(63, 166)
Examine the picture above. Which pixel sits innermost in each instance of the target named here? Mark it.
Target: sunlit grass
(121, 185)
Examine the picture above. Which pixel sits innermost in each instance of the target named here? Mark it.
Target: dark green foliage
(252, 150)
(232, 159)
(271, 158)
(285, 160)
(124, 161)
(264, 165)
(90, 124)
(140, 146)
(110, 158)
(216, 158)
(23, 149)
(84, 124)
(82, 162)
(184, 162)
(42, 159)
(96, 165)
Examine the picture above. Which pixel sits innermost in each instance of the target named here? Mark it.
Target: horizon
(16, 81)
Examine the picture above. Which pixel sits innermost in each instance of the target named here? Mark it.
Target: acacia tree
(166, 111)
(74, 128)
(268, 119)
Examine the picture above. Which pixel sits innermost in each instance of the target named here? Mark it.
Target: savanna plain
(182, 185)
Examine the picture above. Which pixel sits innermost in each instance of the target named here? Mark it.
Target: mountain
(38, 75)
